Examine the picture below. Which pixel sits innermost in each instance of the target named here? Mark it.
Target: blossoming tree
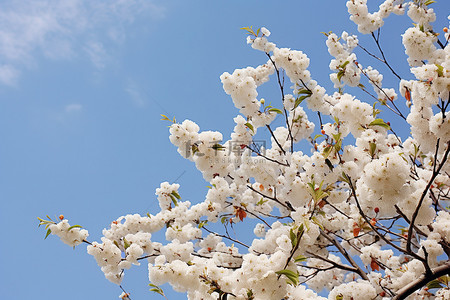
(364, 214)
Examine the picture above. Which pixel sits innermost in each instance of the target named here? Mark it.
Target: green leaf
(261, 201)
(315, 221)
(202, 223)
(249, 30)
(376, 112)
(339, 297)
(223, 220)
(126, 244)
(176, 195)
(440, 70)
(327, 150)
(194, 149)
(74, 226)
(299, 100)
(372, 149)
(278, 111)
(293, 238)
(291, 275)
(345, 178)
(344, 64)
(445, 279)
(174, 199)
(300, 258)
(156, 289)
(429, 2)
(340, 74)
(48, 233)
(317, 136)
(250, 126)
(326, 33)
(434, 284)
(312, 185)
(304, 91)
(165, 118)
(338, 145)
(337, 137)
(148, 215)
(380, 122)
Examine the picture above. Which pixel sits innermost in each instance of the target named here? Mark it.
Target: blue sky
(82, 87)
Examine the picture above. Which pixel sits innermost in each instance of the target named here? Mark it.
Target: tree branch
(422, 281)
(425, 191)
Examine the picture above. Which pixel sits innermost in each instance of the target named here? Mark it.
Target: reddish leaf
(407, 95)
(321, 203)
(373, 222)
(374, 265)
(240, 213)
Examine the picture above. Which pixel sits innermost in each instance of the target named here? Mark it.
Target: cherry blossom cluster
(364, 215)
(72, 236)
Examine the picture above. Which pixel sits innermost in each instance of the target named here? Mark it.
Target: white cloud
(135, 93)
(74, 107)
(97, 53)
(61, 29)
(8, 75)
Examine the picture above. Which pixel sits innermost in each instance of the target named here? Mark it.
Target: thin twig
(382, 54)
(425, 191)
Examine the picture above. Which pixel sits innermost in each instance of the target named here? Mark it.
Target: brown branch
(226, 237)
(386, 240)
(339, 266)
(382, 54)
(407, 221)
(276, 141)
(425, 191)
(290, 208)
(265, 157)
(282, 100)
(346, 255)
(422, 281)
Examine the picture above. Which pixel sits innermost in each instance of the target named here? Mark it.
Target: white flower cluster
(369, 22)
(72, 236)
(353, 290)
(294, 63)
(346, 196)
(261, 43)
(419, 45)
(166, 194)
(354, 113)
(241, 86)
(375, 79)
(383, 182)
(347, 71)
